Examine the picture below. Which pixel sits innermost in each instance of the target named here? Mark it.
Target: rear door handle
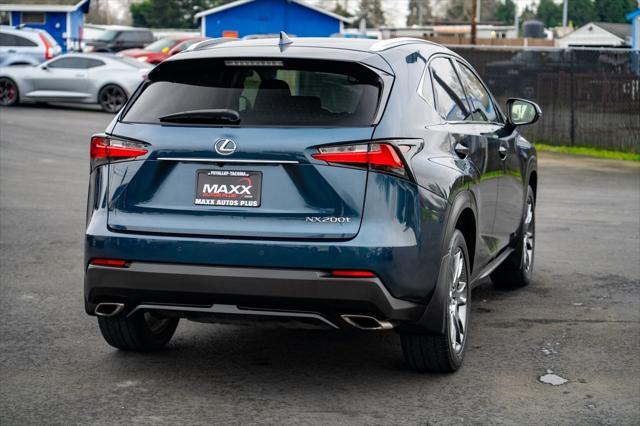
(503, 151)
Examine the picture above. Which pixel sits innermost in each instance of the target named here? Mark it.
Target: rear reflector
(116, 263)
(352, 274)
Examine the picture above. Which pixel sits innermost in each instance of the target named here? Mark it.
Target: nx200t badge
(225, 146)
(328, 219)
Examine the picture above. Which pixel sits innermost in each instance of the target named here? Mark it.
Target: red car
(161, 49)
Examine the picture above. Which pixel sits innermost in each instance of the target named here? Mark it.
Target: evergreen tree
(341, 10)
(459, 11)
(488, 9)
(613, 10)
(170, 13)
(418, 8)
(506, 12)
(550, 13)
(373, 13)
(581, 12)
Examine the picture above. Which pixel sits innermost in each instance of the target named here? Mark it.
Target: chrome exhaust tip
(108, 309)
(366, 322)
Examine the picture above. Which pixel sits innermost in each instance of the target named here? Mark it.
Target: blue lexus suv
(333, 183)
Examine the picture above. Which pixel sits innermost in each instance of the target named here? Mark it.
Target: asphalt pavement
(579, 319)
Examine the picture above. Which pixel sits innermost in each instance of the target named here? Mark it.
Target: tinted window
(24, 42)
(108, 35)
(92, 63)
(14, 40)
(479, 98)
(426, 90)
(450, 97)
(68, 63)
(296, 92)
(6, 39)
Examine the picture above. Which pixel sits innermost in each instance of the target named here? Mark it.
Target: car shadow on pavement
(204, 351)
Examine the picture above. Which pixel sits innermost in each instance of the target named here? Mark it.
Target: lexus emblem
(224, 146)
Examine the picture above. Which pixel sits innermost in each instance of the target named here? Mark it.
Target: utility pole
(478, 12)
(474, 20)
(565, 12)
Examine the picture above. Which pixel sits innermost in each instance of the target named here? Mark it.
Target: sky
(396, 10)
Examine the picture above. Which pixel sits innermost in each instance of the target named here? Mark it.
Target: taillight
(48, 51)
(375, 156)
(105, 149)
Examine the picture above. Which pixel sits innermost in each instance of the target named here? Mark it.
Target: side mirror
(522, 112)
(44, 67)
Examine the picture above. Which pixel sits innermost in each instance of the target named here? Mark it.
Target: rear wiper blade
(203, 116)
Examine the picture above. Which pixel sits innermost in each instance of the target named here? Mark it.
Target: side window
(7, 39)
(93, 63)
(127, 37)
(451, 101)
(75, 63)
(426, 90)
(479, 98)
(24, 42)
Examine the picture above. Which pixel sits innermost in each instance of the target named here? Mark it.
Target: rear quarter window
(263, 92)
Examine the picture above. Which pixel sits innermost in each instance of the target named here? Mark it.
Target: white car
(105, 79)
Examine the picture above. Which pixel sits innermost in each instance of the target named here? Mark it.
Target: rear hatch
(229, 150)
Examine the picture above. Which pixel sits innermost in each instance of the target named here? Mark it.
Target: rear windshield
(264, 92)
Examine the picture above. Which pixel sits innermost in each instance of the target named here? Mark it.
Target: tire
(9, 94)
(444, 353)
(141, 332)
(516, 270)
(112, 98)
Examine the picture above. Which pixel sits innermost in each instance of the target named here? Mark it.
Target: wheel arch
(462, 212)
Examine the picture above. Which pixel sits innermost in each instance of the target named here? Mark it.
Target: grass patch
(590, 152)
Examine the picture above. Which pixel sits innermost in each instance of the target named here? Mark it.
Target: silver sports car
(105, 79)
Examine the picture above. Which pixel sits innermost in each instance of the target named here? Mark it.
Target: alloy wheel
(112, 98)
(458, 297)
(8, 92)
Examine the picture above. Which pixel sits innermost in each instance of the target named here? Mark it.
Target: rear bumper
(253, 288)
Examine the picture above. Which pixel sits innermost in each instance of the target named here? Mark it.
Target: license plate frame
(228, 188)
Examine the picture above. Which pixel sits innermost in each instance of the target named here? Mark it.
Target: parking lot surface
(579, 319)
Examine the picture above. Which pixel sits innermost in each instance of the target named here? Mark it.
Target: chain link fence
(589, 97)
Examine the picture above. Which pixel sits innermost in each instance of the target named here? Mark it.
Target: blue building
(634, 17)
(63, 19)
(245, 17)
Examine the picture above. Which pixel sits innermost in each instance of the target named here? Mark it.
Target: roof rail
(395, 42)
(209, 43)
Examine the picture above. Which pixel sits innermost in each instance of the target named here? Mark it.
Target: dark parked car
(120, 38)
(322, 182)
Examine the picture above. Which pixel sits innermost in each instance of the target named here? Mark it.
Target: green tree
(373, 13)
(488, 10)
(613, 10)
(342, 11)
(459, 10)
(419, 12)
(581, 12)
(550, 13)
(170, 13)
(506, 12)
